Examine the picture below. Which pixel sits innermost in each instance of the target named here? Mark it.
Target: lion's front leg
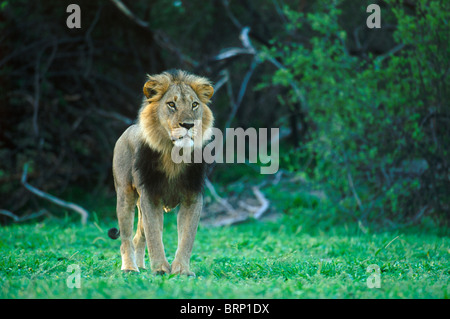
(187, 223)
(153, 222)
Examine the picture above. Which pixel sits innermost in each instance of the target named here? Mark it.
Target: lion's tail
(113, 233)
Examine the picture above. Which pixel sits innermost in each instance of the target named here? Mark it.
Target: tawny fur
(146, 176)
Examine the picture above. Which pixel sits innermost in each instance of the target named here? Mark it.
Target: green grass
(253, 260)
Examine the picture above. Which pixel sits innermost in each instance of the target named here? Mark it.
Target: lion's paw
(129, 267)
(161, 268)
(181, 269)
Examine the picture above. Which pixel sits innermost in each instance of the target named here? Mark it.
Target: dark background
(363, 113)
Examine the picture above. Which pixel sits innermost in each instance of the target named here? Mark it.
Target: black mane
(154, 180)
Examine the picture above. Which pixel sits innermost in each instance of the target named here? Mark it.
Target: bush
(381, 121)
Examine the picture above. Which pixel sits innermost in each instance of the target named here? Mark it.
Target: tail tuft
(113, 233)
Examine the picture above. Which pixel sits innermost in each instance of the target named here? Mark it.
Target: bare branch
(164, 41)
(222, 81)
(230, 14)
(263, 201)
(256, 211)
(5, 212)
(277, 178)
(246, 40)
(356, 38)
(241, 93)
(232, 220)
(247, 44)
(231, 53)
(391, 52)
(35, 100)
(258, 56)
(216, 196)
(37, 84)
(18, 219)
(236, 216)
(88, 40)
(78, 209)
(355, 194)
(280, 12)
(123, 8)
(115, 115)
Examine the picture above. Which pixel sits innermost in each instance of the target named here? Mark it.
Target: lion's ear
(150, 88)
(156, 86)
(204, 92)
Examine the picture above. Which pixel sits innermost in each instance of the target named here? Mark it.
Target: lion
(174, 113)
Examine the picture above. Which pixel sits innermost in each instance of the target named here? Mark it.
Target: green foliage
(3, 5)
(381, 132)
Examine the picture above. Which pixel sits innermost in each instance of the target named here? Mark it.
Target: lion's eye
(194, 105)
(171, 105)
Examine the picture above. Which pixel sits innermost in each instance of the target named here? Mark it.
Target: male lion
(174, 112)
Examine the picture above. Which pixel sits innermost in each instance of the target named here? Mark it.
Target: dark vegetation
(363, 113)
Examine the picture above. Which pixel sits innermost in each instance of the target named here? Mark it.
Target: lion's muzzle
(183, 136)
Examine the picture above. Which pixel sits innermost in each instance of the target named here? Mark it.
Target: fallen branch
(18, 219)
(78, 209)
(216, 196)
(9, 214)
(236, 216)
(256, 211)
(233, 220)
(262, 200)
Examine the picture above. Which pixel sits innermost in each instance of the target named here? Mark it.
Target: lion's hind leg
(139, 240)
(126, 203)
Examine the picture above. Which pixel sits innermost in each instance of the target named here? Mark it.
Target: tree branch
(123, 8)
(355, 194)
(216, 196)
(18, 219)
(241, 93)
(78, 209)
(236, 216)
(262, 200)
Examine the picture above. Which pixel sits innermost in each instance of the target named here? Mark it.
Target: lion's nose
(187, 125)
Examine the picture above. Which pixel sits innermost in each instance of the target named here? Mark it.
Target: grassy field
(252, 260)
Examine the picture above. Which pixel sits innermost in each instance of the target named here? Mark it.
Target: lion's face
(176, 110)
(180, 113)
